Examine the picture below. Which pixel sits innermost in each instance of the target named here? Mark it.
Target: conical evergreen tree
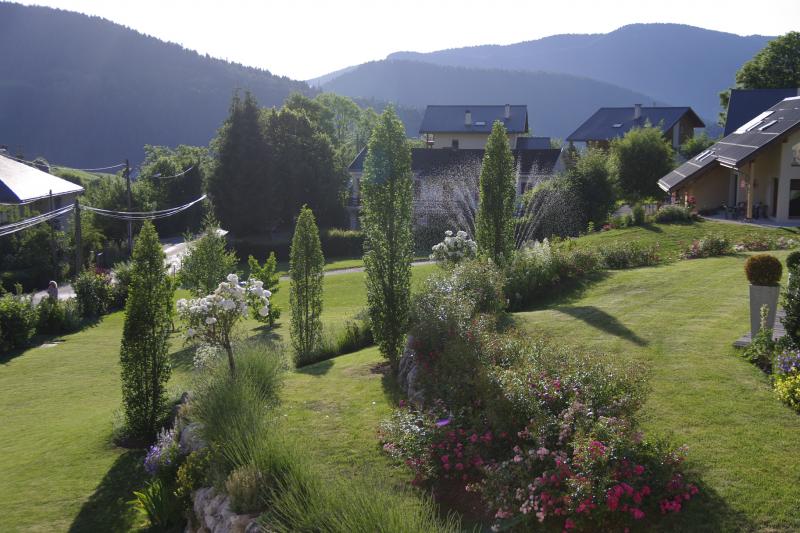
(494, 225)
(148, 321)
(305, 291)
(387, 197)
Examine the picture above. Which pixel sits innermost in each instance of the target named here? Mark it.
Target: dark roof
(450, 118)
(21, 184)
(742, 145)
(610, 122)
(429, 161)
(744, 104)
(533, 143)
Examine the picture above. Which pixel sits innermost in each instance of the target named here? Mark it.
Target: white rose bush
(212, 319)
(454, 248)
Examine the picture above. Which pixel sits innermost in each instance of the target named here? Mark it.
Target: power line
(20, 225)
(143, 215)
(159, 176)
(111, 167)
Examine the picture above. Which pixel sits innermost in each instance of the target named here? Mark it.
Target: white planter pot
(761, 295)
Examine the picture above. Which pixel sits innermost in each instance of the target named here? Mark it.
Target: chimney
(468, 118)
(637, 111)
(508, 111)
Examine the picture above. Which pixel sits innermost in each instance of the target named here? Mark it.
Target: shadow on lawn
(652, 227)
(603, 321)
(316, 369)
(565, 292)
(108, 508)
(708, 511)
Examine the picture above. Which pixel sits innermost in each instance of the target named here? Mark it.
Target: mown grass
(681, 320)
(58, 467)
(672, 239)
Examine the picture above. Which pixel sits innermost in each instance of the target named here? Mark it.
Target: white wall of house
(468, 141)
(788, 172)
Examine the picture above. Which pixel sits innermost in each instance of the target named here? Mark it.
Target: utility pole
(78, 244)
(130, 224)
(53, 240)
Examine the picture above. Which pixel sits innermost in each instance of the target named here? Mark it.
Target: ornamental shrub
(305, 289)
(670, 214)
(454, 249)
(787, 386)
(158, 503)
(207, 262)
(790, 301)
(54, 317)
(144, 361)
(761, 350)
(638, 215)
(793, 260)
(93, 292)
(763, 269)
(708, 246)
(761, 242)
(386, 212)
(17, 321)
(629, 254)
(122, 282)
(267, 274)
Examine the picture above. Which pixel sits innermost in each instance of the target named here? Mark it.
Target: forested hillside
(84, 91)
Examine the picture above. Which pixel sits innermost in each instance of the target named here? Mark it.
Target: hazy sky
(304, 39)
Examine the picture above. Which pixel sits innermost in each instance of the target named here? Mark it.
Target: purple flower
(788, 362)
(443, 422)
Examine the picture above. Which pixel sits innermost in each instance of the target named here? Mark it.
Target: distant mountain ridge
(674, 63)
(557, 103)
(83, 91)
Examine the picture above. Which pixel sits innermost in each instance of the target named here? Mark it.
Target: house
(608, 123)
(23, 185)
(756, 167)
(744, 104)
(468, 126)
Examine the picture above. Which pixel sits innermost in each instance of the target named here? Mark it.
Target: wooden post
(78, 244)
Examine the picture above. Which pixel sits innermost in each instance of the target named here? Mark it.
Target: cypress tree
(148, 321)
(305, 290)
(494, 225)
(388, 243)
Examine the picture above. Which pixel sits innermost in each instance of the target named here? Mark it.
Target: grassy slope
(681, 320)
(672, 239)
(58, 468)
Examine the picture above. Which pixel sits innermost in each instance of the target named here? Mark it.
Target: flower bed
(540, 434)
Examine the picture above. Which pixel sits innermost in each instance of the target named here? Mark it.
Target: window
(454, 144)
(794, 199)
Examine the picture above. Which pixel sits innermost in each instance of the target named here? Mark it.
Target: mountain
(557, 103)
(83, 91)
(674, 63)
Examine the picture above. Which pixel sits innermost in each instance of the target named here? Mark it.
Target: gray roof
(430, 161)
(22, 184)
(744, 104)
(450, 118)
(533, 143)
(610, 122)
(742, 145)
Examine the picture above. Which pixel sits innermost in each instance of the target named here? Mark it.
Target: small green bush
(119, 290)
(668, 214)
(54, 317)
(17, 321)
(342, 243)
(159, 505)
(629, 254)
(191, 476)
(787, 386)
(709, 246)
(761, 350)
(763, 269)
(93, 292)
(638, 215)
(793, 260)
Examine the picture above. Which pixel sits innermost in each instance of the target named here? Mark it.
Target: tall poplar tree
(494, 225)
(145, 337)
(305, 290)
(386, 205)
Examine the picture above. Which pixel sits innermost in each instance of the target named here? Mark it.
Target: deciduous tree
(639, 160)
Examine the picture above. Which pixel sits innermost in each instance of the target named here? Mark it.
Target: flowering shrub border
(454, 248)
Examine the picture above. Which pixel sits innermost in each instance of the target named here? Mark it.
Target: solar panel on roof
(752, 123)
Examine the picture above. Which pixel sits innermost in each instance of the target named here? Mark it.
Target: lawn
(672, 239)
(681, 320)
(59, 469)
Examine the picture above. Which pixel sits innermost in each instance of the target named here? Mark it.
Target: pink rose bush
(540, 434)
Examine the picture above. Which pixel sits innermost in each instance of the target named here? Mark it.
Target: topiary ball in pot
(764, 273)
(763, 269)
(793, 260)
